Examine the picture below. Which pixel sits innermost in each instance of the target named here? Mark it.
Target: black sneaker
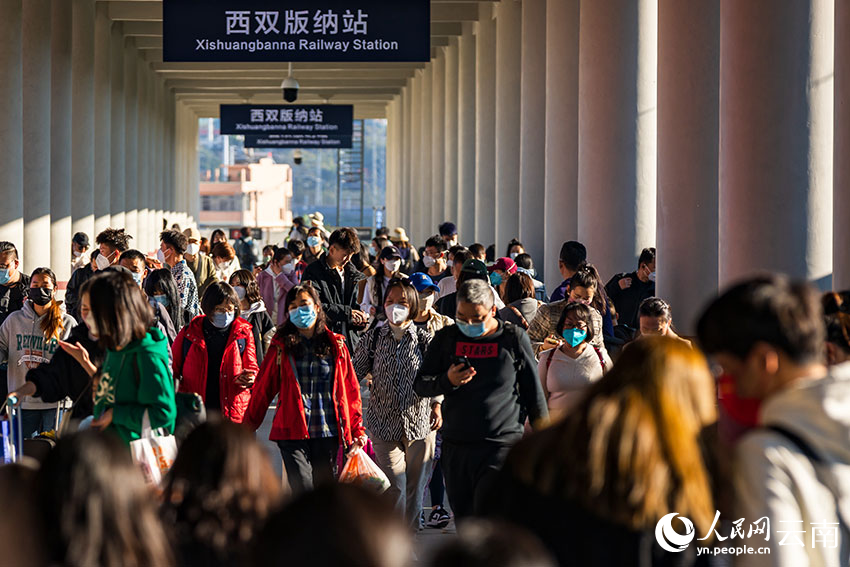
(439, 518)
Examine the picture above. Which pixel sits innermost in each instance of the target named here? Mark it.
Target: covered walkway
(716, 130)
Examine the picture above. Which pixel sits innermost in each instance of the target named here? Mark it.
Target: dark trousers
(471, 471)
(309, 462)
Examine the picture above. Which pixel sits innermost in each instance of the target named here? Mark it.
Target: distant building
(254, 195)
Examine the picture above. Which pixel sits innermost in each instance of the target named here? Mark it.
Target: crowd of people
(562, 428)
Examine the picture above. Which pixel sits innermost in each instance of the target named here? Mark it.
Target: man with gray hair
(486, 370)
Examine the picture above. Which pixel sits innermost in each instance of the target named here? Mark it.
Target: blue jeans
(36, 421)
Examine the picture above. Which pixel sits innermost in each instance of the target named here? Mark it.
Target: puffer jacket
(277, 377)
(190, 365)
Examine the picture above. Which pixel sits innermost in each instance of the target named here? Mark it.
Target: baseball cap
(192, 233)
(423, 282)
(81, 239)
(389, 252)
(474, 267)
(504, 264)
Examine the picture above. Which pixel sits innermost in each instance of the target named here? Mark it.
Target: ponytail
(53, 323)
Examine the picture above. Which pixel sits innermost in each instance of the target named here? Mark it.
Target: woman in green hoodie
(136, 376)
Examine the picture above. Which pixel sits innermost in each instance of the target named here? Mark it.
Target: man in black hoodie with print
(484, 399)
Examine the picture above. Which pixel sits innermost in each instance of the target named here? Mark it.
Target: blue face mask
(495, 279)
(303, 317)
(574, 337)
(472, 330)
(222, 320)
(4, 276)
(161, 299)
(314, 241)
(137, 278)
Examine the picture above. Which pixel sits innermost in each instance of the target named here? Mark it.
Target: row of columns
(717, 131)
(92, 137)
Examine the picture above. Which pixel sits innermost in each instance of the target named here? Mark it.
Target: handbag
(153, 452)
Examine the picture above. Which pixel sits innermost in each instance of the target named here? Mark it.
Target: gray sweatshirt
(23, 345)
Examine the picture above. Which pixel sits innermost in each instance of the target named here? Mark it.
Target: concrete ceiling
(203, 86)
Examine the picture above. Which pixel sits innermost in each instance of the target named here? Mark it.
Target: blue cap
(423, 282)
(447, 229)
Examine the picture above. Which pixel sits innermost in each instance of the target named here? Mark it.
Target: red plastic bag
(362, 471)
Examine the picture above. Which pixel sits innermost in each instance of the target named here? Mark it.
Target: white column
(776, 113)
(438, 139)
(143, 238)
(82, 118)
(131, 142)
(60, 140)
(11, 124)
(841, 161)
(560, 210)
(532, 167)
(158, 144)
(36, 133)
(417, 226)
(688, 147)
(194, 193)
(618, 62)
(508, 112)
(117, 120)
(485, 134)
(407, 175)
(428, 225)
(466, 136)
(103, 117)
(450, 143)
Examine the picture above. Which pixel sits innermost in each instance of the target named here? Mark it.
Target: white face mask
(193, 249)
(77, 253)
(288, 268)
(651, 276)
(102, 262)
(427, 302)
(397, 314)
(160, 255)
(223, 267)
(450, 264)
(514, 255)
(428, 261)
(392, 265)
(240, 292)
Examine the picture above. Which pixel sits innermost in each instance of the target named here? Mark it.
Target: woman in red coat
(214, 355)
(319, 395)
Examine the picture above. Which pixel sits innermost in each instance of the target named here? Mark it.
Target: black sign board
(287, 119)
(291, 141)
(296, 30)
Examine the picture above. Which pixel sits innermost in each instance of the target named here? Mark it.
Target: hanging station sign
(305, 141)
(296, 30)
(289, 125)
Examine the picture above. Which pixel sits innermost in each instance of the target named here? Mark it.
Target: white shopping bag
(154, 452)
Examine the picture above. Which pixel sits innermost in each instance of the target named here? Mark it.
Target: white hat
(316, 218)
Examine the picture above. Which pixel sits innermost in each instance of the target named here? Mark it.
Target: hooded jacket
(191, 368)
(774, 478)
(290, 423)
(266, 281)
(23, 345)
(136, 379)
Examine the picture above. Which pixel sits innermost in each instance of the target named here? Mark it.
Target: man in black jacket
(336, 279)
(483, 401)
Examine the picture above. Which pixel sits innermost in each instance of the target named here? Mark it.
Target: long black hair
(288, 332)
(161, 282)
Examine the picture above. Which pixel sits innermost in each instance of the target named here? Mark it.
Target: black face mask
(41, 296)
